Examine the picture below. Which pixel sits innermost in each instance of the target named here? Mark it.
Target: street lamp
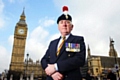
(115, 58)
(26, 67)
(6, 72)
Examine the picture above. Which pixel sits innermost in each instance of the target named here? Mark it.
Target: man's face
(65, 27)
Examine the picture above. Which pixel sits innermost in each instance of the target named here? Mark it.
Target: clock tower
(20, 34)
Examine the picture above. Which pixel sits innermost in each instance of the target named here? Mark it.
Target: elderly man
(65, 55)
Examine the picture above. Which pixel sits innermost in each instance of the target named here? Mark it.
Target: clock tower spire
(20, 34)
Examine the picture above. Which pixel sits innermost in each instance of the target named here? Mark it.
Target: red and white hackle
(65, 10)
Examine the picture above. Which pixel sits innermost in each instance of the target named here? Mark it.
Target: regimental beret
(65, 15)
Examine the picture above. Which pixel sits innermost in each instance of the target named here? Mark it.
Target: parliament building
(99, 65)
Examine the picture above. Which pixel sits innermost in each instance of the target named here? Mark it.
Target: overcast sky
(96, 20)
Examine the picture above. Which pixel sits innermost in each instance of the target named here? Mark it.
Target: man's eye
(68, 22)
(61, 22)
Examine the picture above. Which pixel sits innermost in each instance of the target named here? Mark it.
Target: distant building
(100, 64)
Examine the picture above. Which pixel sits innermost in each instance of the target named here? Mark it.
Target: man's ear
(72, 26)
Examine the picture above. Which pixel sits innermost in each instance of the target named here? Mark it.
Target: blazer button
(68, 55)
(66, 76)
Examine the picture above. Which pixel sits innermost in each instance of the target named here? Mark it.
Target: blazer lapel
(70, 38)
(55, 47)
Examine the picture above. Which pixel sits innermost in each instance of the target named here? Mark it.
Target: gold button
(69, 55)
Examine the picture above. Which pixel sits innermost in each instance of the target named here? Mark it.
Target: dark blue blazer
(68, 62)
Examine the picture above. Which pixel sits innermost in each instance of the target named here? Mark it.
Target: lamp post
(115, 59)
(26, 67)
(6, 72)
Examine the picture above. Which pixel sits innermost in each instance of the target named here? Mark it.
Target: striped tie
(59, 48)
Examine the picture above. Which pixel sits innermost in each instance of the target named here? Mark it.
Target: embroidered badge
(72, 47)
(66, 16)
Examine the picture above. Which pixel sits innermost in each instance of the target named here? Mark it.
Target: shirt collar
(67, 36)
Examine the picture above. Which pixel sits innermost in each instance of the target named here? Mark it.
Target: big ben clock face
(21, 31)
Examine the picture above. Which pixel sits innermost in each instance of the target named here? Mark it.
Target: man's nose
(65, 24)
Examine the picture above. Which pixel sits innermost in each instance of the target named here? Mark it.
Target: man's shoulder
(77, 36)
(54, 40)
